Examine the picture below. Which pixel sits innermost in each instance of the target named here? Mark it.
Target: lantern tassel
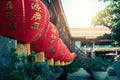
(70, 62)
(50, 62)
(40, 57)
(23, 49)
(57, 63)
(62, 63)
(66, 63)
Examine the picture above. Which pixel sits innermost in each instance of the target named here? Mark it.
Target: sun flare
(79, 13)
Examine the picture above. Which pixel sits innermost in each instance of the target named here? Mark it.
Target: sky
(79, 13)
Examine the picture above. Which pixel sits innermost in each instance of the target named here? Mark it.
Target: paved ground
(112, 78)
(81, 74)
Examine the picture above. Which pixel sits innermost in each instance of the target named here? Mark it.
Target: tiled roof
(89, 32)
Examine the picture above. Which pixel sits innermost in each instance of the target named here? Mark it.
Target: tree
(110, 17)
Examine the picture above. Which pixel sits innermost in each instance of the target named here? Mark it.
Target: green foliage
(97, 64)
(74, 66)
(110, 17)
(21, 68)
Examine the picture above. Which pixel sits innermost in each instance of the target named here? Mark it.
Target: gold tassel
(51, 62)
(70, 62)
(66, 63)
(39, 57)
(57, 63)
(62, 63)
(48, 62)
(23, 49)
(28, 49)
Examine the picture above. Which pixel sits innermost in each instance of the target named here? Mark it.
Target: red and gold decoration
(57, 63)
(50, 62)
(53, 51)
(48, 41)
(39, 57)
(62, 63)
(23, 20)
(28, 21)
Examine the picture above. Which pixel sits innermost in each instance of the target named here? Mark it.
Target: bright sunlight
(79, 13)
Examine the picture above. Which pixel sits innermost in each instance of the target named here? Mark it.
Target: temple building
(86, 40)
(83, 39)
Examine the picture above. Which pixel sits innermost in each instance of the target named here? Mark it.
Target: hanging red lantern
(47, 41)
(72, 56)
(61, 54)
(23, 20)
(67, 57)
(53, 51)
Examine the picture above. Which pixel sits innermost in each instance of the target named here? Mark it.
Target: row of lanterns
(28, 21)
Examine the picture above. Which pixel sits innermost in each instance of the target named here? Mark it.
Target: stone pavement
(81, 74)
(112, 78)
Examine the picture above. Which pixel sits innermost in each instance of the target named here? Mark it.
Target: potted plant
(98, 68)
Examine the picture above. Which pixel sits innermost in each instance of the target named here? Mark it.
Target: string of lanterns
(28, 21)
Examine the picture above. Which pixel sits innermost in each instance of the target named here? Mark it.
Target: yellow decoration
(36, 37)
(70, 62)
(9, 5)
(28, 49)
(50, 62)
(35, 6)
(23, 49)
(35, 26)
(53, 36)
(57, 63)
(54, 31)
(51, 41)
(66, 63)
(36, 16)
(62, 63)
(39, 57)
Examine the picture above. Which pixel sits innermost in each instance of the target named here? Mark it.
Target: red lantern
(67, 57)
(72, 56)
(47, 41)
(54, 51)
(61, 54)
(23, 20)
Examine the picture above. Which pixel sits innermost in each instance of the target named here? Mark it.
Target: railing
(103, 48)
(107, 49)
(79, 52)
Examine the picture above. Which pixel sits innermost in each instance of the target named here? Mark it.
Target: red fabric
(67, 57)
(47, 41)
(54, 51)
(60, 53)
(64, 53)
(73, 55)
(18, 19)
